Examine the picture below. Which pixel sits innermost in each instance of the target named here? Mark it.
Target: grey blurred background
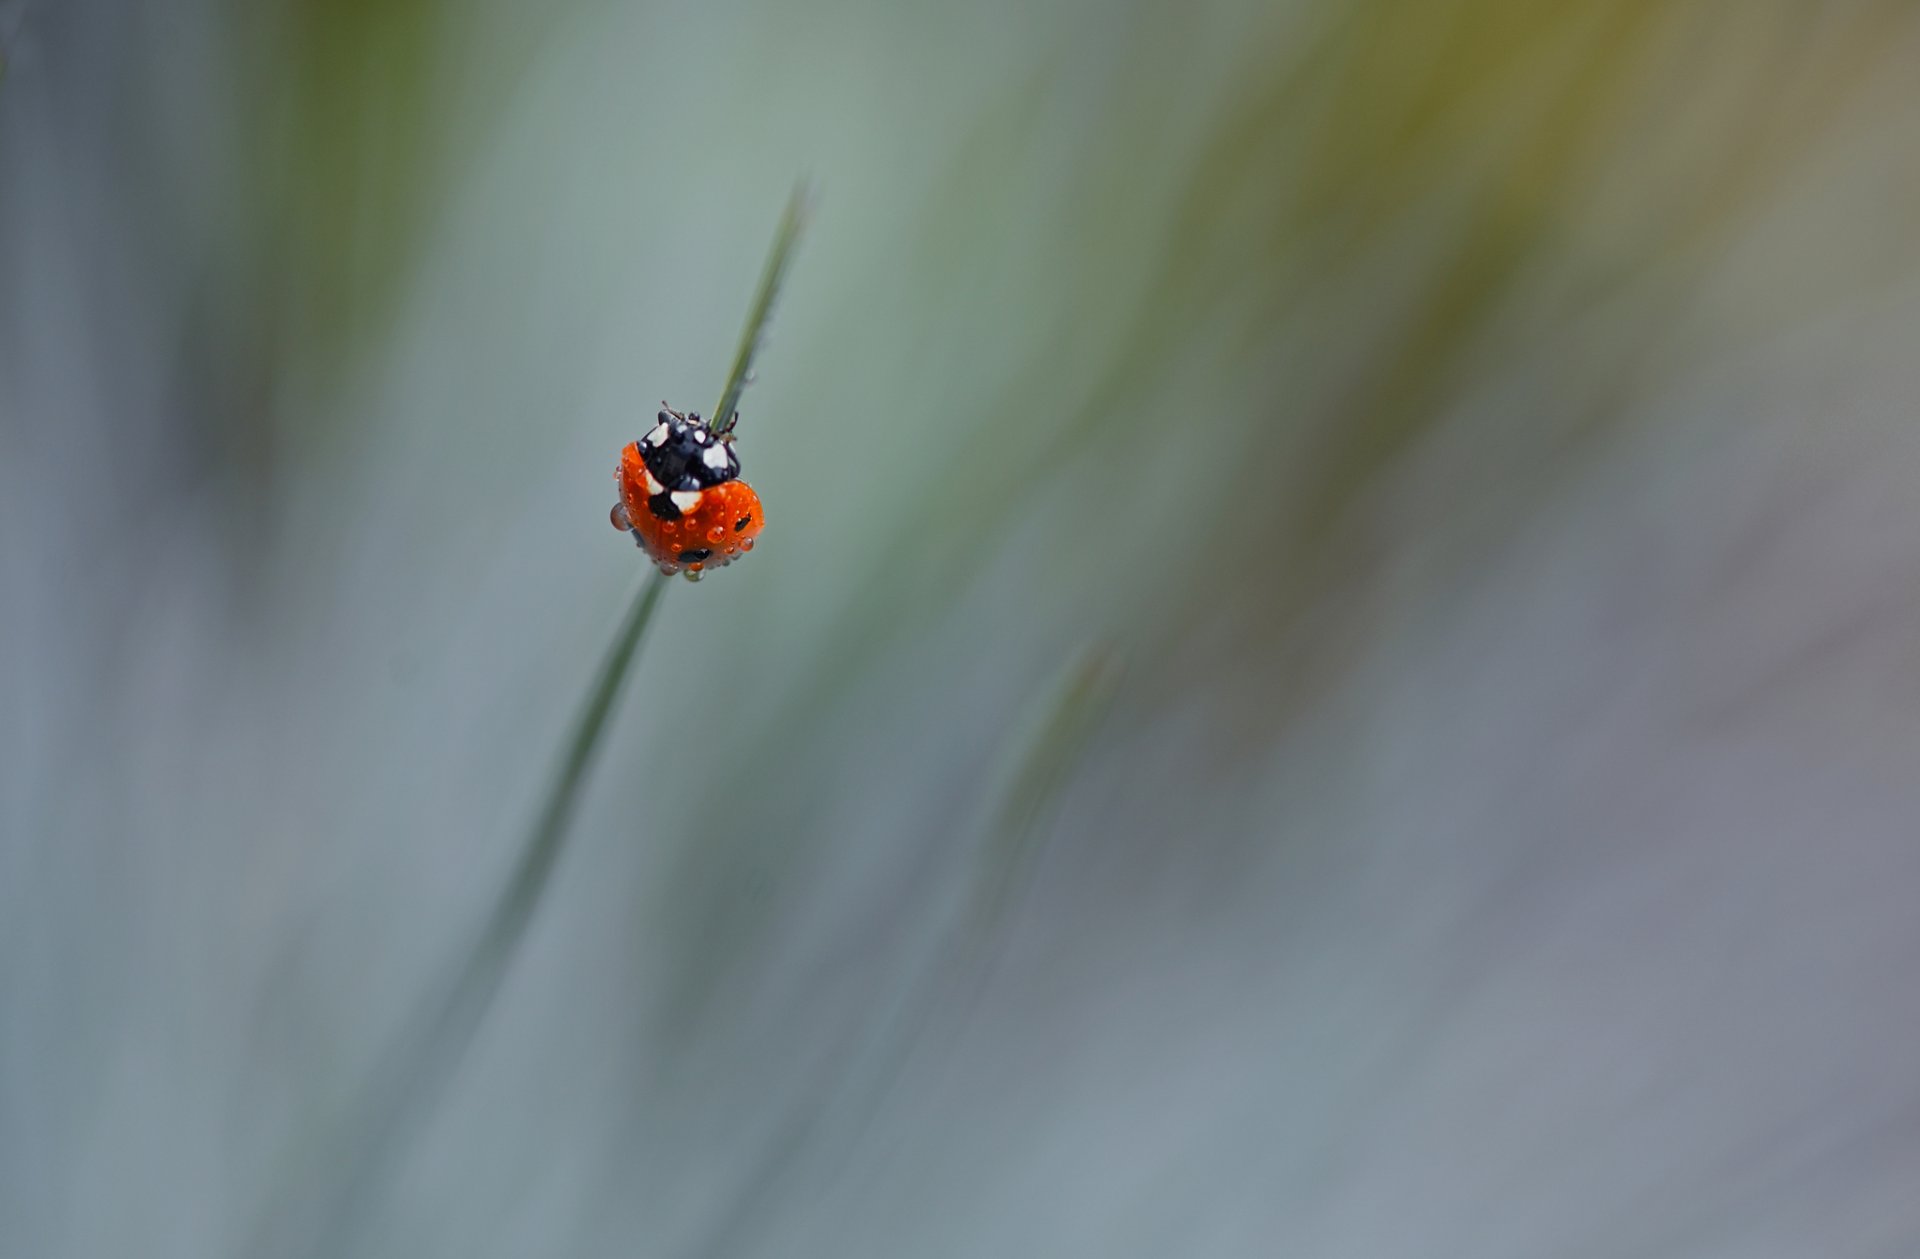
(1482, 432)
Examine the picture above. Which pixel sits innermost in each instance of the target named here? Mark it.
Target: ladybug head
(683, 453)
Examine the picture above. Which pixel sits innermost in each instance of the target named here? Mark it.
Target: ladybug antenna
(675, 414)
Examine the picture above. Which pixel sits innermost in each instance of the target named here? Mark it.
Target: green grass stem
(792, 223)
(342, 1177)
(343, 1174)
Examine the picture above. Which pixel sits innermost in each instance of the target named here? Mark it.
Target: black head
(682, 453)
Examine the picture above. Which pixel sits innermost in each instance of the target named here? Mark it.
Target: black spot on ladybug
(742, 523)
(661, 505)
(695, 555)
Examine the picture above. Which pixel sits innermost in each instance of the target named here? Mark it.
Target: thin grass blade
(340, 1179)
(792, 223)
(357, 1155)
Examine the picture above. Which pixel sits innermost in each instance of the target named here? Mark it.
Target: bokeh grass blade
(792, 223)
(1033, 787)
(942, 977)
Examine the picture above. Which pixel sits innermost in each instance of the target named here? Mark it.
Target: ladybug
(682, 498)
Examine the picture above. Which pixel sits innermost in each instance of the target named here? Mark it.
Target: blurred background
(1334, 669)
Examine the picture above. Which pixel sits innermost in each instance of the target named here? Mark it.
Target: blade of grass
(359, 1154)
(515, 907)
(445, 1033)
(792, 223)
(361, 1149)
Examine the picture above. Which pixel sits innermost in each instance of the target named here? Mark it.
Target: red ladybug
(682, 498)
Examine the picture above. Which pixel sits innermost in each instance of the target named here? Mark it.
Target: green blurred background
(1457, 459)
